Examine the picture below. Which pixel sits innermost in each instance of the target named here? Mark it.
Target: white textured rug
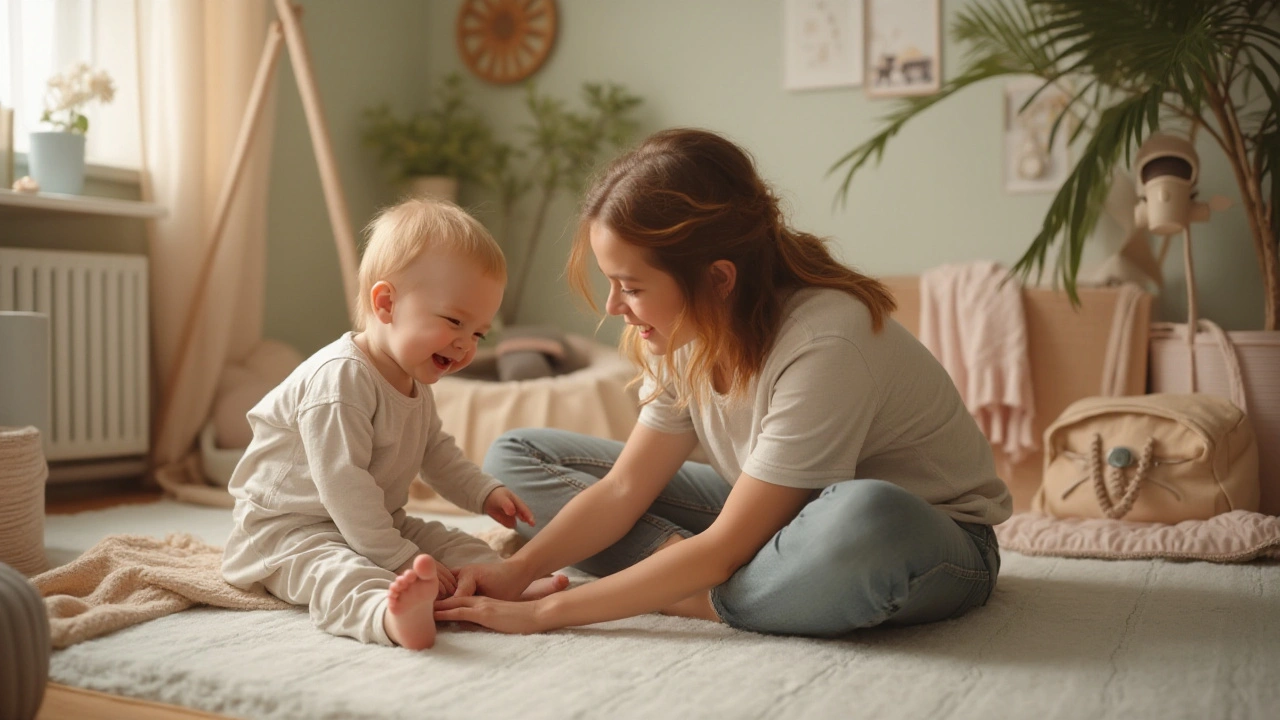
(1060, 639)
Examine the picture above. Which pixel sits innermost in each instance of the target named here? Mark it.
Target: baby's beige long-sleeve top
(336, 443)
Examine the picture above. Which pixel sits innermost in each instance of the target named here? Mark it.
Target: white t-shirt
(836, 401)
(335, 442)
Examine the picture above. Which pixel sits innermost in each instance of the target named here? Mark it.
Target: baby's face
(444, 306)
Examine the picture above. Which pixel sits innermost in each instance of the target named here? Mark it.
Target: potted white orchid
(56, 156)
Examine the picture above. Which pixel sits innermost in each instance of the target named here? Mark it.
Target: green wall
(362, 53)
(936, 198)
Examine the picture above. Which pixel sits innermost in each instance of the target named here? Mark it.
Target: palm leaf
(1003, 41)
(1075, 208)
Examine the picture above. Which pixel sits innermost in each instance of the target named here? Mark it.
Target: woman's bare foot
(543, 587)
(409, 619)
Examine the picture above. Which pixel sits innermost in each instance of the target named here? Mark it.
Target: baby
(320, 492)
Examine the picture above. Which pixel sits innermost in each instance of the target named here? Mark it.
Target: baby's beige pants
(346, 592)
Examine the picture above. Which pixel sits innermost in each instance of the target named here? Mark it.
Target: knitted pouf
(22, 474)
(24, 646)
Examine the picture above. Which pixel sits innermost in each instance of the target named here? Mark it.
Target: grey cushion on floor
(24, 646)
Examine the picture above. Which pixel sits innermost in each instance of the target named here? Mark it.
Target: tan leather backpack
(1149, 458)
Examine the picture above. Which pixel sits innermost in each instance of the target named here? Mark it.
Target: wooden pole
(335, 201)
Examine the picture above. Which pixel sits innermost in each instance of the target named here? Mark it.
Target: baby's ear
(382, 297)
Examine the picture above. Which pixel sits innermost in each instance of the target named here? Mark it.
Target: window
(43, 37)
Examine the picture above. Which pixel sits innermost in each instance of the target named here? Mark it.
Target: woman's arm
(753, 513)
(597, 518)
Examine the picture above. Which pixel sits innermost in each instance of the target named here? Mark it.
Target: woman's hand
(503, 505)
(519, 618)
(501, 580)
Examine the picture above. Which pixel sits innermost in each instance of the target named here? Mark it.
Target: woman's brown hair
(688, 198)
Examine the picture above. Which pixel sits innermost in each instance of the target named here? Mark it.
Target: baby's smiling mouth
(442, 363)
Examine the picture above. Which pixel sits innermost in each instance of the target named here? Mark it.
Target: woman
(847, 487)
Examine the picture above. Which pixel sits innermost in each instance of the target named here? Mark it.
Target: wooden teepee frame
(287, 28)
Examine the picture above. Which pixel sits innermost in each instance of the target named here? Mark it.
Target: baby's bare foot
(543, 587)
(409, 619)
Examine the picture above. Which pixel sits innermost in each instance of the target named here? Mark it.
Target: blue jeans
(861, 553)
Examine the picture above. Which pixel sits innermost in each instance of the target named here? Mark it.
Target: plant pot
(56, 161)
(1258, 354)
(440, 187)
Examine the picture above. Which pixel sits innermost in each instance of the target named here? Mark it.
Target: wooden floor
(62, 702)
(68, 703)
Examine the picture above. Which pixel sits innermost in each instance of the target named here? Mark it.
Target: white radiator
(97, 307)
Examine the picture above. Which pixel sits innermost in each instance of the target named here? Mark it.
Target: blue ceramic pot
(56, 161)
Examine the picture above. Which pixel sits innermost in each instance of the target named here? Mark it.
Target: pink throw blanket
(974, 324)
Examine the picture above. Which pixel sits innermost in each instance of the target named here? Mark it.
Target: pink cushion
(1236, 536)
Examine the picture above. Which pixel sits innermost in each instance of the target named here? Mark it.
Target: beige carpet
(1060, 639)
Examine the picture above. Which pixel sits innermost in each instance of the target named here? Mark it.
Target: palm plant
(1129, 67)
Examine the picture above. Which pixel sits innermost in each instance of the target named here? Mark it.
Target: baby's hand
(448, 583)
(503, 505)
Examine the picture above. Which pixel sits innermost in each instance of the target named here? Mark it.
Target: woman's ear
(382, 296)
(724, 275)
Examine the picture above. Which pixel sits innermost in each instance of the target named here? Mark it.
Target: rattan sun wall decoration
(506, 41)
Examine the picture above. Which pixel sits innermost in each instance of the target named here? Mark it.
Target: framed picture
(822, 44)
(904, 47)
(1030, 164)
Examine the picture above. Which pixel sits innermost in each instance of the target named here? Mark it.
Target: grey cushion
(24, 646)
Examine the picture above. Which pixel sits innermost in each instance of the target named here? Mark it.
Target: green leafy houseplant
(1130, 67)
(562, 148)
(450, 139)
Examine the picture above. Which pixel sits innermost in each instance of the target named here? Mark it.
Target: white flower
(69, 91)
(100, 85)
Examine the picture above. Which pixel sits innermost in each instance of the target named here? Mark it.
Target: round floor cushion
(24, 646)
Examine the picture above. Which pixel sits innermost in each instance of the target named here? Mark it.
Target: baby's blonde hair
(400, 234)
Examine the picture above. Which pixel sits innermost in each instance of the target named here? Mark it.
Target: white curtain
(196, 65)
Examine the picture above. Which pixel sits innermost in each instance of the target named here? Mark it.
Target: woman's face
(646, 297)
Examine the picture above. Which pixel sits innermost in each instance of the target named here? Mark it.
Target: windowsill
(113, 173)
(84, 204)
(92, 171)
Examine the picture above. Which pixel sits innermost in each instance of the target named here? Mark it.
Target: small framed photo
(904, 47)
(1031, 165)
(822, 44)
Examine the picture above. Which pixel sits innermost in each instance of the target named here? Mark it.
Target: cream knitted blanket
(128, 579)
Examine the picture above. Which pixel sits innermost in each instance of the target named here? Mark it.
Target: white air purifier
(25, 379)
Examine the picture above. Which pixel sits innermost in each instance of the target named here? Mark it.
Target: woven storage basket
(24, 646)
(22, 474)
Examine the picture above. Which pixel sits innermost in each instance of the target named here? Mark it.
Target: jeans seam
(954, 570)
